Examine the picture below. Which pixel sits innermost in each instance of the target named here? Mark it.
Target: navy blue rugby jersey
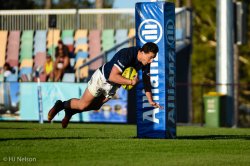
(126, 57)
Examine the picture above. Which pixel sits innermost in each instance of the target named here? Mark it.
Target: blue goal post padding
(155, 22)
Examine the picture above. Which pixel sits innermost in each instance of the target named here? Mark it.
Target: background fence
(80, 19)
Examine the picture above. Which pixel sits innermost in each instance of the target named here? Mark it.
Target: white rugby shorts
(98, 85)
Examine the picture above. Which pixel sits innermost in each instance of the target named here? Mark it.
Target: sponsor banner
(50, 93)
(9, 101)
(114, 110)
(155, 22)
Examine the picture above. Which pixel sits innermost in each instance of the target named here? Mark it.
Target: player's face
(147, 58)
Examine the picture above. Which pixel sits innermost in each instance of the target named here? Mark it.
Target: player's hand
(156, 105)
(135, 80)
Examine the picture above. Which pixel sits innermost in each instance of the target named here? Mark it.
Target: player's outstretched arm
(147, 88)
(151, 102)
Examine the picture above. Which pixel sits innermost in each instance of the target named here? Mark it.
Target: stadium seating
(26, 50)
(95, 48)
(26, 63)
(12, 78)
(81, 37)
(26, 35)
(80, 41)
(52, 51)
(84, 72)
(25, 70)
(81, 54)
(68, 39)
(40, 42)
(3, 39)
(40, 51)
(25, 74)
(108, 40)
(81, 33)
(131, 32)
(81, 47)
(26, 45)
(26, 56)
(13, 48)
(120, 36)
(39, 59)
(68, 77)
(1, 77)
(52, 40)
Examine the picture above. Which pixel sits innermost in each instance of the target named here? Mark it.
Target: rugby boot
(55, 109)
(67, 117)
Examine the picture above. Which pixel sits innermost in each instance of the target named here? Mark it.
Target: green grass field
(105, 144)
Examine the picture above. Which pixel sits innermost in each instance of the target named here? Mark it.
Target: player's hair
(150, 47)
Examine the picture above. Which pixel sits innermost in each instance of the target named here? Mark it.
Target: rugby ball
(129, 73)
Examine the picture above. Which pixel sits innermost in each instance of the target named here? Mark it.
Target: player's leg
(73, 105)
(92, 99)
(87, 103)
(76, 104)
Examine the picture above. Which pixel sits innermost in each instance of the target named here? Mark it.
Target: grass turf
(105, 144)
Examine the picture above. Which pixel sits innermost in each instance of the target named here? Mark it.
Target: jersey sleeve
(123, 61)
(146, 78)
(146, 70)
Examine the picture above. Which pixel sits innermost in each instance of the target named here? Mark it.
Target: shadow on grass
(214, 137)
(193, 137)
(46, 128)
(51, 138)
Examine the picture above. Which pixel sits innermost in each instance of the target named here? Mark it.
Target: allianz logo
(170, 32)
(150, 30)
